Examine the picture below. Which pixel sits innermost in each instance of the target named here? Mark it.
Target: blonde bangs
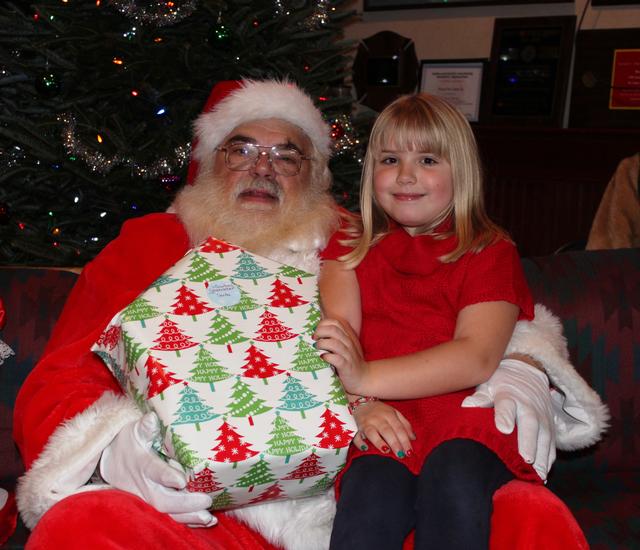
(409, 125)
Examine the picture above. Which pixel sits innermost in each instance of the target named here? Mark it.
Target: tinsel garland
(99, 162)
(162, 14)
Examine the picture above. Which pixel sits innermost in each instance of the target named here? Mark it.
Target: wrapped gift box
(220, 348)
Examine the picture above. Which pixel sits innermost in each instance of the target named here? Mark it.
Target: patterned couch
(597, 296)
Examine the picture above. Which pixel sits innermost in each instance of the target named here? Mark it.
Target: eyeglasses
(285, 161)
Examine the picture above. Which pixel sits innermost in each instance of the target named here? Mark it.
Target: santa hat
(232, 103)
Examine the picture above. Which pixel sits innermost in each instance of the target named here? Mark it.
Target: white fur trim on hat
(259, 100)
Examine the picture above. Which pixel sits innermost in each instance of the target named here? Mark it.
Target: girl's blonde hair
(423, 122)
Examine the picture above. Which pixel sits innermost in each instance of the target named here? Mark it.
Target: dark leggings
(449, 503)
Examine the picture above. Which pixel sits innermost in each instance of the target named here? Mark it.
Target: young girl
(432, 289)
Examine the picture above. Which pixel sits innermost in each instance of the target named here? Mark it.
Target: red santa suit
(70, 408)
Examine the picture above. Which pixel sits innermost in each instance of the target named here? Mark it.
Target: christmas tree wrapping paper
(220, 348)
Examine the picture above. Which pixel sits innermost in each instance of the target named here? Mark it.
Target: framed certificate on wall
(459, 81)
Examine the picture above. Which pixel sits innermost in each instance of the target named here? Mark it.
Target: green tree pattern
(208, 369)
(285, 442)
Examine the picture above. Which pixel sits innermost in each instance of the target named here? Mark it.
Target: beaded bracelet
(353, 405)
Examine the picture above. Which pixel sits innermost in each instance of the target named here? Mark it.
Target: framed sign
(606, 79)
(457, 80)
(528, 71)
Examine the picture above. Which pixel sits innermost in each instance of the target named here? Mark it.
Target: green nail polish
(364, 448)
(401, 454)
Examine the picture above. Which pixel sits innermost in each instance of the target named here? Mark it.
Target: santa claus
(259, 179)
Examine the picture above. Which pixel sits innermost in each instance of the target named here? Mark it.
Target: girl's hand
(343, 352)
(384, 427)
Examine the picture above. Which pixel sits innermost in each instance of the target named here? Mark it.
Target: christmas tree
(313, 317)
(297, 274)
(257, 365)
(272, 493)
(97, 101)
(182, 452)
(159, 378)
(337, 394)
(133, 351)
(216, 246)
(333, 435)
(109, 338)
(222, 501)
(245, 403)
(307, 359)
(192, 410)
(321, 485)
(248, 268)
(171, 338)
(204, 482)
(309, 467)
(285, 442)
(208, 369)
(282, 296)
(224, 333)
(296, 397)
(161, 281)
(231, 447)
(258, 474)
(272, 330)
(200, 270)
(139, 310)
(188, 303)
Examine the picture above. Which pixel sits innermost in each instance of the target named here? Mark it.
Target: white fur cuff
(71, 456)
(580, 415)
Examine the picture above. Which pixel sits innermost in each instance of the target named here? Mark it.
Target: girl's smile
(412, 187)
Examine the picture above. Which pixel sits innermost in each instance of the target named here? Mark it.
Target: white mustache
(259, 184)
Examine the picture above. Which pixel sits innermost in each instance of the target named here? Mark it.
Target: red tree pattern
(282, 296)
(219, 247)
(333, 434)
(258, 365)
(231, 447)
(272, 330)
(271, 493)
(109, 338)
(159, 378)
(172, 338)
(188, 303)
(309, 467)
(204, 482)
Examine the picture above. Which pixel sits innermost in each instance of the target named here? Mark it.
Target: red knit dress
(410, 302)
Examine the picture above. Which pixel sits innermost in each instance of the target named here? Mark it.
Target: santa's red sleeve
(70, 407)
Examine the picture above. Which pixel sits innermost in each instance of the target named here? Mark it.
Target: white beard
(292, 234)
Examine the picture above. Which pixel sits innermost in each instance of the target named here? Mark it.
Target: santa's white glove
(521, 396)
(130, 464)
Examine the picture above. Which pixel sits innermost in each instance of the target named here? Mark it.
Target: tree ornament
(170, 182)
(48, 84)
(319, 18)
(4, 213)
(220, 30)
(159, 13)
(343, 135)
